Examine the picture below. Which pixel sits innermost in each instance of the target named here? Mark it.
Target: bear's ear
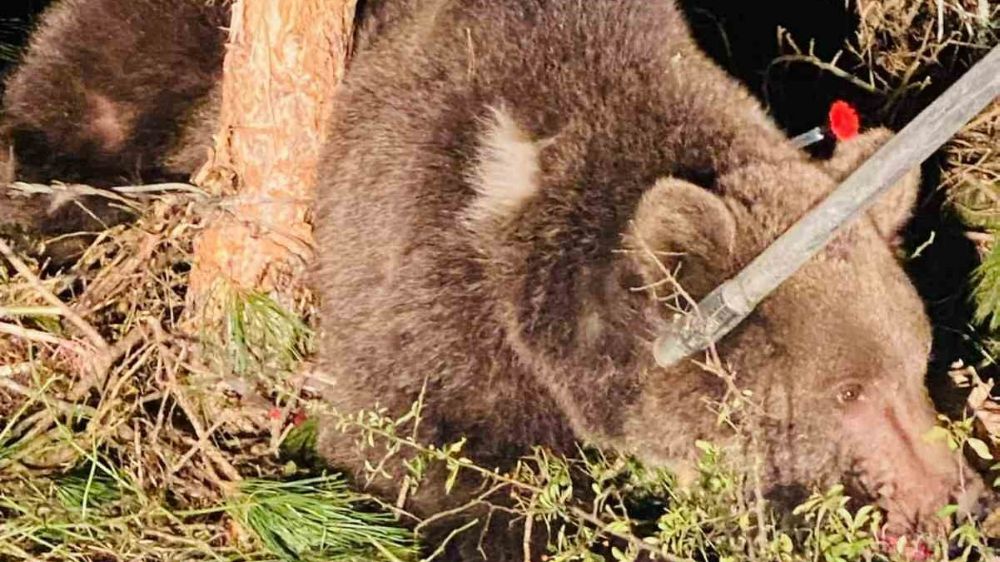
(893, 209)
(677, 222)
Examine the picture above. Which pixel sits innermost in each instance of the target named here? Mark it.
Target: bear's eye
(849, 393)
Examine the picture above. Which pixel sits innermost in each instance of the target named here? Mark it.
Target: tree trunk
(284, 60)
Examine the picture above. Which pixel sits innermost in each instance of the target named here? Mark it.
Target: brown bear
(108, 94)
(105, 85)
(505, 189)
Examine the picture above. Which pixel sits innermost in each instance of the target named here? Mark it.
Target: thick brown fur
(507, 296)
(105, 87)
(117, 92)
(109, 92)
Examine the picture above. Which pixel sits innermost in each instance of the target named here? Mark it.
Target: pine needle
(319, 519)
(261, 333)
(986, 290)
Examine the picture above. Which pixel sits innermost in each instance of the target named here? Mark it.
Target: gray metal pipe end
(685, 335)
(670, 348)
(714, 317)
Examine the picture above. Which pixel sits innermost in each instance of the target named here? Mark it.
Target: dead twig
(23, 270)
(199, 445)
(204, 437)
(28, 334)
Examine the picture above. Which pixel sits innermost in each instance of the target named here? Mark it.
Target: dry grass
(129, 289)
(912, 50)
(101, 380)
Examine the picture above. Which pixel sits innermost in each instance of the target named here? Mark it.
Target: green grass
(260, 335)
(986, 290)
(319, 519)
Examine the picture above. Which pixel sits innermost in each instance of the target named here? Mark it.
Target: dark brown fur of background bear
(108, 93)
(489, 162)
(105, 84)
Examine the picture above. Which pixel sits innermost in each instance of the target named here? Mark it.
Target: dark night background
(15, 21)
(21, 8)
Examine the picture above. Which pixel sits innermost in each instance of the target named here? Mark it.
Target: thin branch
(89, 331)
(37, 336)
(826, 66)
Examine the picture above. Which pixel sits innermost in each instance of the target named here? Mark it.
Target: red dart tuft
(921, 553)
(844, 120)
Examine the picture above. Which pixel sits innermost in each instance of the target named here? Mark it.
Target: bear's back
(618, 95)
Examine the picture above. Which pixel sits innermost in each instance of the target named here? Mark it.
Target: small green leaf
(450, 483)
(937, 433)
(619, 527)
(947, 511)
(980, 448)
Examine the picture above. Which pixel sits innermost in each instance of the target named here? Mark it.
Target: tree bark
(285, 58)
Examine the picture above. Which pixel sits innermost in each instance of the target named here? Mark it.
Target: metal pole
(726, 306)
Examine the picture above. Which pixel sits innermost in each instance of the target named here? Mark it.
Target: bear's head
(834, 359)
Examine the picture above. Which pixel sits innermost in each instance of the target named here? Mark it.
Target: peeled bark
(284, 60)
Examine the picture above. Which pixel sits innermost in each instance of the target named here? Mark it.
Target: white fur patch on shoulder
(506, 171)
